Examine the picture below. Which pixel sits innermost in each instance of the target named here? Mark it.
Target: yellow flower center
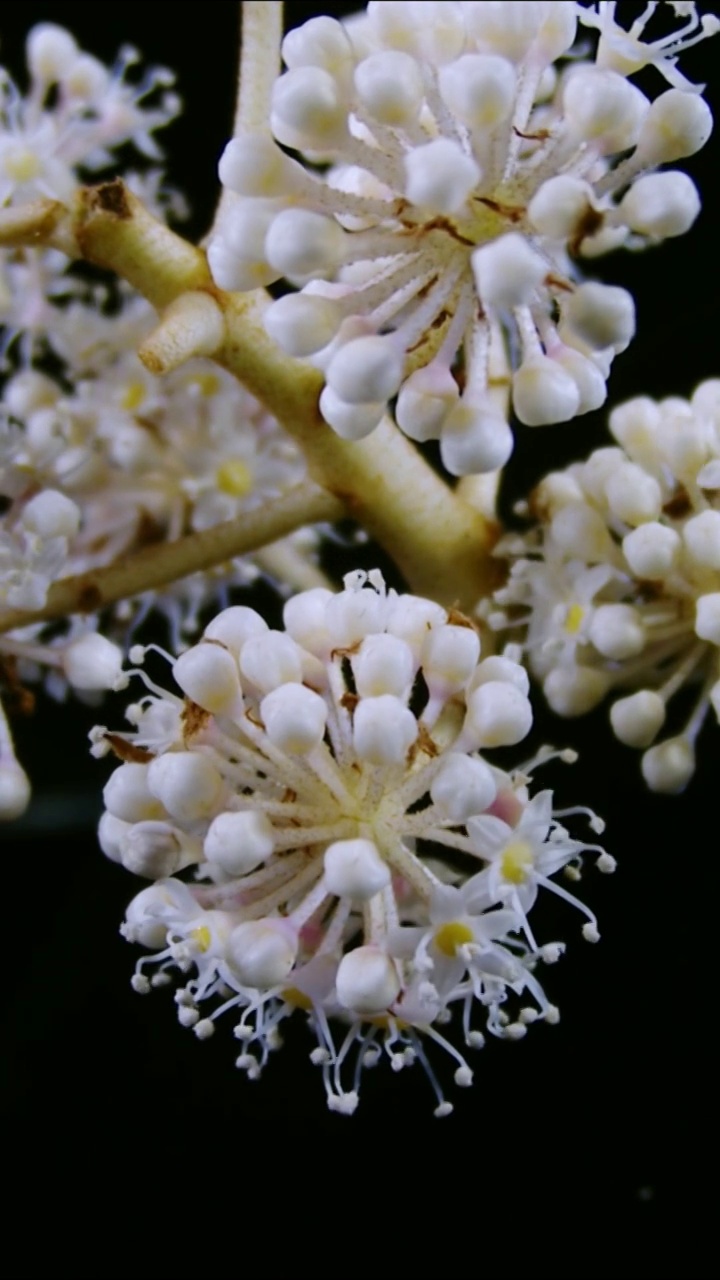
(451, 936)
(516, 862)
(201, 937)
(21, 164)
(207, 383)
(234, 477)
(573, 618)
(133, 396)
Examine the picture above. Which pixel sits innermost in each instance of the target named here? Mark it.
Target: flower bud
(302, 323)
(601, 315)
(677, 125)
(707, 617)
(302, 243)
(449, 657)
(234, 626)
(498, 714)
(661, 205)
(507, 271)
(14, 789)
(270, 659)
(92, 662)
(367, 980)
(669, 766)
(187, 784)
(308, 111)
(208, 674)
(425, 400)
(294, 718)
(440, 176)
(239, 842)
(544, 392)
(255, 166)
(354, 869)
(617, 632)
(350, 421)
(262, 952)
(479, 89)
(127, 795)
(651, 550)
(574, 690)
(638, 719)
(390, 86)
(475, 439)
(366, 369)
(559, 206)
(463, 786)
(51, 515)
(156, 850)
(384, 664)
(383, 730)
(701, 536)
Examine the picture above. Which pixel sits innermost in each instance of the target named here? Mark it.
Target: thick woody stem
(439, 542)
(157, 565)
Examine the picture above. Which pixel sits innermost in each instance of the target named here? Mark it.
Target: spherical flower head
(322, 782)
(467, 172)
(618, 580)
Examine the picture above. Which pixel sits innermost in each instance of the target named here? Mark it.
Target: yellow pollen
(451, 936)
(516, 862)
(573, 621)
(134, 395)
(234, 477)
(207, 383)
(297, 998)
(22, 165)
(201, 936)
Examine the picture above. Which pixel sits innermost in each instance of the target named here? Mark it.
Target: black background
(132, 1150)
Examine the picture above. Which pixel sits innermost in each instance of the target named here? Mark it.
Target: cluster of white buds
(353, 853)
(472, 159)
(76, 111)
(621, 578)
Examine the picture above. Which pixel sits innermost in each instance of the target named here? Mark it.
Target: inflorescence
(352, 852)
(456, 161)
(616, 586)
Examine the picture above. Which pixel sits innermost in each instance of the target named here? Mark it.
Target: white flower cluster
(182, 453)
(75, 113)
(619, 585)
(467, 172)
(120, 461)
(355, 855)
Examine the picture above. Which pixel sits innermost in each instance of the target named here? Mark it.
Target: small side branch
(157, 565)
